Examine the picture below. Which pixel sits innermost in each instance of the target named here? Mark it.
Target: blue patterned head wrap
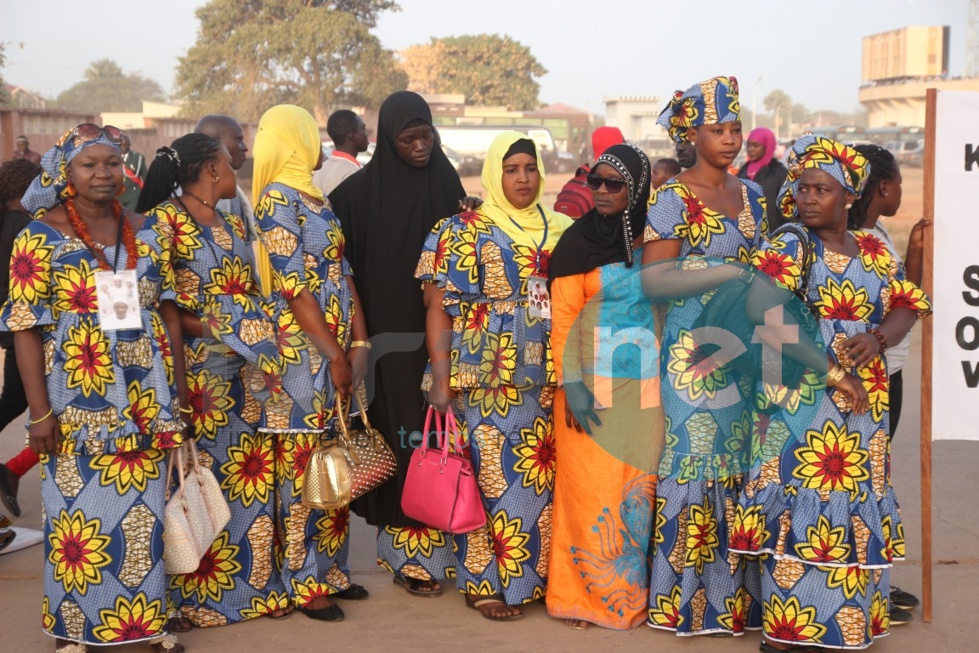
(844, 164)
(49, 188)
(707, 103)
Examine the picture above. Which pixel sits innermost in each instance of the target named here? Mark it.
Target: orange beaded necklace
(128, 236)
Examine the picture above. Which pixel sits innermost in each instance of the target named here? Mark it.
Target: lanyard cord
(543, 240)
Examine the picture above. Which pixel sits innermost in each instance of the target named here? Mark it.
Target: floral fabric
(228, 379)
(697, 586)
(818, 506)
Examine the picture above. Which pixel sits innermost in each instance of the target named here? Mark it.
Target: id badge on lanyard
(538, 298)
(117, 294)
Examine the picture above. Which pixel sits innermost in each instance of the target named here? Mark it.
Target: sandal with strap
(166, 642)
(74, 647)
(353, 593)
(284, 613)
(415, 586)
(476, 602)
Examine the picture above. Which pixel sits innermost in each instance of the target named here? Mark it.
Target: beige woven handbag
(349, 466)
(194, 515)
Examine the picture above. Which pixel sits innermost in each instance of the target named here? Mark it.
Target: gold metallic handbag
(349, 466)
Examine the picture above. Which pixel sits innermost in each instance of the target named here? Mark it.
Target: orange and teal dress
(697, 585)
(502, 367)
(230, 379)
(114, 397)
(818, 512)
(605, 486)
(305, 245)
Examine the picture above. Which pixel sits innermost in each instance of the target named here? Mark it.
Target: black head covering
(387, 209)
(595, 240)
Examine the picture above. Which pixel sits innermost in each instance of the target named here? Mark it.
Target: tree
(779, 103)
(107, 88)
(253, 54)
(487, 68)
(3, 62)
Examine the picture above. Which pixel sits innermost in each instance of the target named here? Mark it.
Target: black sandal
(415, 587)
(329, 613)
(353, 593)
(8, 496)
(180, 624)
(6, 537)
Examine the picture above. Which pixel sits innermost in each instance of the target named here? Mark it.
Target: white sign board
(955, 358)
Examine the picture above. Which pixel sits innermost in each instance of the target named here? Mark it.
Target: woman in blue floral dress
(697, 222)
(818, 509)
(478, 268)
(322, 349)
(232, 364)
(101, 382)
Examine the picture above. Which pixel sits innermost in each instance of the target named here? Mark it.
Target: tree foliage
(253, 54)
(487, 68)
(107, 88)
(3, 62)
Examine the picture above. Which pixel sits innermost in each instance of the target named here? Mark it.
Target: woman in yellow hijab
(485, 281)
(322, 342)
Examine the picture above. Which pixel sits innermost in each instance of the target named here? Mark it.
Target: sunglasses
(613, 186)
(87, 131)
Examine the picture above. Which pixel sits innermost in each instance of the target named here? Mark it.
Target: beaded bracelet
(881, 338)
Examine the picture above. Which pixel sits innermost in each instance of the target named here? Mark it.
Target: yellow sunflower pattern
(535, 456)
(249, 474)
(77, 551)
(131, 620)
(88, 361)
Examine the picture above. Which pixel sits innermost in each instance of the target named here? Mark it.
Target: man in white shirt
(227, 130)
(349, 136)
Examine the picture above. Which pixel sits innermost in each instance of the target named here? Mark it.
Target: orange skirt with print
(604, 506)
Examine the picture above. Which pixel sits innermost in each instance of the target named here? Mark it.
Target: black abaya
(387, 209)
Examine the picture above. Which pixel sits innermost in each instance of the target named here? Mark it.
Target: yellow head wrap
(287, 148)
(523, 226)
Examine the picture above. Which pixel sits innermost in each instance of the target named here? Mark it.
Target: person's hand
(916, 241)
(442, 396)
(853, 388)
(341, 375)
(470, 203)
(43, 437)
(357, 357)
(862, 348)
(579, 407)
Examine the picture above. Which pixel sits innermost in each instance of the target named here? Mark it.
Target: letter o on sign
(967, 340)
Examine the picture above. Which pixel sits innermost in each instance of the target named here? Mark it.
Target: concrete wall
(904, 104)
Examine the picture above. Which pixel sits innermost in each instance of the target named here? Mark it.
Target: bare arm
(43, 436)
(357, 356)
(172, 319)
(438, 338)
(662, 280)
(309, 315)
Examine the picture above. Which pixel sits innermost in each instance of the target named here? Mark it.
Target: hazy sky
(591, 49)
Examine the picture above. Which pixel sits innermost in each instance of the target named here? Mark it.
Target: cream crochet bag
(194, 514)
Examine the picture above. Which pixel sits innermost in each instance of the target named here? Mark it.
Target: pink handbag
(440, 488)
